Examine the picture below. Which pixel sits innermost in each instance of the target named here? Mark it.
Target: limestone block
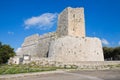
(62, 29)
(71, 22)
(36, 45)
(14, 60)
(31, 40)
(74, 49)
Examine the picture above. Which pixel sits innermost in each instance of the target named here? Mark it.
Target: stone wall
(44, 43)
(68, 44)
(36, 46)
(71, 22)
(95, 63)
(29, 46)
(76, 23)
(72, 49)
(62, 28)
(31, 40)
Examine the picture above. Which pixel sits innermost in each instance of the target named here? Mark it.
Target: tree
(5, 53)
(0, 44)
(111, 53)
(116, 53)
(107, 53)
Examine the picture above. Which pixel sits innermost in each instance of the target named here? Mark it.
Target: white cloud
(10, 33)
(44, 21)
(119, 42)
(18, 50)
(105, 42)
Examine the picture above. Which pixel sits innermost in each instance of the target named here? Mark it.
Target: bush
(111, 53)
(5, 53)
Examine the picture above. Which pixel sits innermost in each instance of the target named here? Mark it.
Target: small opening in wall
(62, 44)
(77, 37)
(47, 54)
(80, 51)
(68, 51)
(74, 15)
(74, 52)
(97, 53)
(73, 29)
(83, 37)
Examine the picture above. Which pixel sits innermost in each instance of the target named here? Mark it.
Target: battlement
(71, 22)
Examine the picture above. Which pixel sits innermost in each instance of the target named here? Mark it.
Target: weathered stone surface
(36, 46)
(67, 45)
(74, 49)
(71, 22)
(15, 60)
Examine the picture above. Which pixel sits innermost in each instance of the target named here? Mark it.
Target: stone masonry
(71, 22)
(36, 46)
(75, 49)
(68, 44)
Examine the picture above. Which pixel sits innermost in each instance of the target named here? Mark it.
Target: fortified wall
(71, 22)
(74, 49)
(68, 44)
(36, 45)
(72, 44)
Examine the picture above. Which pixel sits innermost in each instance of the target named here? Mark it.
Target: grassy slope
(14, 69)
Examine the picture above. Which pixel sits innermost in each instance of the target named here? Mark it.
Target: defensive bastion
(68, 44)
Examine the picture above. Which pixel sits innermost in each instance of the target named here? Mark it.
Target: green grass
(118, 65)
(15, 69)
(113, 66)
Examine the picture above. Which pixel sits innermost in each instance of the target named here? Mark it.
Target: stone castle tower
(71, 22)
(68, 44)
(72, 45)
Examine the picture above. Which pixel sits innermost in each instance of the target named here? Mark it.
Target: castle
(68, 44)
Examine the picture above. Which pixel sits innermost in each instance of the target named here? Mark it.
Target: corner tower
(71, 22)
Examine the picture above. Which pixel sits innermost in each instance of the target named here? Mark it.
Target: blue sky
(21, 18)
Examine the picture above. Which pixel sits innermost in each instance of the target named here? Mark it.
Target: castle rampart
(68, 44)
